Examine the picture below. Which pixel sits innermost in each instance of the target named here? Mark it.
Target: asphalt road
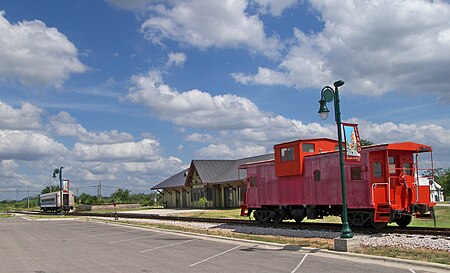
(40, 246)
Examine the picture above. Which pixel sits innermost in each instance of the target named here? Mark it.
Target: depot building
(221, 182)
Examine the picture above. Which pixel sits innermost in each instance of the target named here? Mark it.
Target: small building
(221, 182)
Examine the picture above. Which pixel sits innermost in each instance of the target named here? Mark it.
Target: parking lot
(88, 246)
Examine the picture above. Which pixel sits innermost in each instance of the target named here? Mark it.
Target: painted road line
(159, 247)
(300, 264)
(217, 255)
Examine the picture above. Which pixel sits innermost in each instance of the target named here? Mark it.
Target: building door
(177, 202)
(228, 197)
(183, 198)
(216, 198)
(378, 174)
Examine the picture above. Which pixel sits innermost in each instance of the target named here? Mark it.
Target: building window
(377, 170)
(308, 147)
(407, 168)
(253, 181)
(316, 175)
(392, 165)
(209, 193)
(356, 173)
(287, 154)
(197, 192)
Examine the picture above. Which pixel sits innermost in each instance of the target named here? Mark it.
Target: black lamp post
(328, 95)
(55, 172)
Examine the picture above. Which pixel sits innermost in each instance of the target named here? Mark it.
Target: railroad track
(445, 232)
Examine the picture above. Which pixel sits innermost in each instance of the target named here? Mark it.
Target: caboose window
(407, 168)
(356, 173)
(377, 170)
(252, 181)
(308, 147)
(391, 165)
(287, 154)
(316, 175)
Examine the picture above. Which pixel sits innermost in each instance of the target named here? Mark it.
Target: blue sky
(129, 92)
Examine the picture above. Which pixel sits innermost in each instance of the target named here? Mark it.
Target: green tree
(88, 199)
(121, 195)
(203, 201)
(49, 189)
(442, 177)
(366, 142)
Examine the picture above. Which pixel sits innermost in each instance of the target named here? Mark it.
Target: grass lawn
(4, 215)
(442, 218)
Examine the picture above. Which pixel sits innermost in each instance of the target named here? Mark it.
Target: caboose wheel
(277, 217)
(404, 220)
(379, 225)
(358, 218)
(262, 216)
(299, 219)
(257, 217)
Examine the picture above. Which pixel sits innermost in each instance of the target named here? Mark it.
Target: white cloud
(65, 125)
(176, 59)
(8, 168)
(194, 108)
(264, 76)
(27, 117)
(197, 137)
(375, 46)
(251, 142)
(35, 54)
(391, 132)
(204, 24)
(223, 151)
(28, 145)
(142, 151)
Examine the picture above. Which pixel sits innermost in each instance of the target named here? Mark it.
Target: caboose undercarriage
(356, 217)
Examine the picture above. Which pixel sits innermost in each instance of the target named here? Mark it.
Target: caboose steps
(382, 213)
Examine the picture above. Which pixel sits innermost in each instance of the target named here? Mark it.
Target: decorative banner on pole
(352, 142)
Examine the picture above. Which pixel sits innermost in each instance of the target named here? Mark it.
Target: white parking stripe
(217, 255)
(300, 264)
(412, 271)
(179, 243)
(132, 239)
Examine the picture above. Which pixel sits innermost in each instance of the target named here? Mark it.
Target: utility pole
(28, 199)
(17, 196)
(99, 192)
(78, 197)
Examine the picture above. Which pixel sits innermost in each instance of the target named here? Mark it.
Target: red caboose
(304, 181)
